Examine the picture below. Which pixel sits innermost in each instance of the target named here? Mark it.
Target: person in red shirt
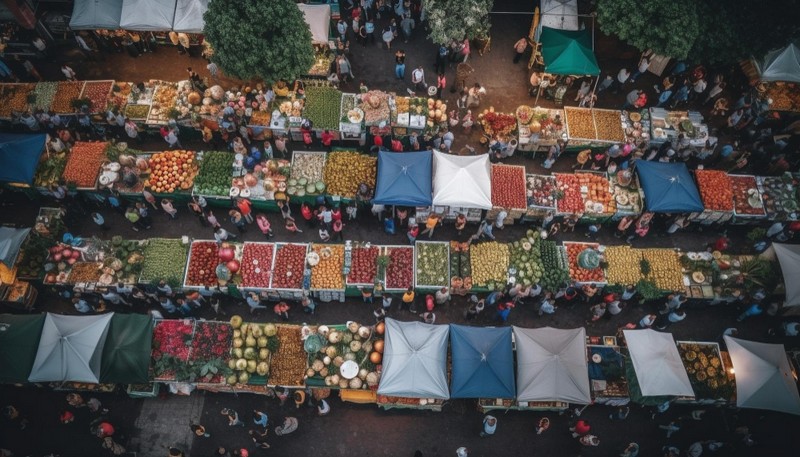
(580, 428)
(327, 139)
(429, 302)
(721, 244)
(245, 207)
(307, 213)
(377, 143)
(336, 214)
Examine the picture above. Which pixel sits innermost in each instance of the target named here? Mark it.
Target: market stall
(326, 262)
(431, 265)
(462, 181)
(668, 188)
(712, 381)
(509, 192)
(351, 122)
(404, 178)
(551, 365)
(346, 170)
(539, 127)
(414, 363)
(401, 268)
(779, 194)
(289, 277)
(83, 164)
(361, 267)
(636, 125)
(322, 106)
(657, 364)
(412, 113)
(585, 193)
(541, 192)
(593, 126)
(460, 269)
(764, 378)
(716, 191)
(19, 157)
(583, 261)
(628, 196)
(344, 356)
(667, 125)
(19, 343)
(483, 362)
(748, 205)
(606, 367)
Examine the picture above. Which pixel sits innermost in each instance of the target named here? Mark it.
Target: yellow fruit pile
(345, 170)
(624, 265)
(171, 171)
(327, 274)
(489, 262)
(665, 268)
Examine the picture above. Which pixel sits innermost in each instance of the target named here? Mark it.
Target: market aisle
(164, 422)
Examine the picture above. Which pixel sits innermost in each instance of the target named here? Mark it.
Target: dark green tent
(568, 52)
(19, 342)
(126, 354)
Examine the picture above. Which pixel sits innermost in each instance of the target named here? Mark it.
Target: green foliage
(648, 290)
(757, 234)
(644, 267)
(456, 19)
(259, 39)
(710, 31)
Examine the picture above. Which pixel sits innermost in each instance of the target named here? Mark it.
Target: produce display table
(165, 96)
(14, 98)
(636, 124)
(431, 265)
(667, 125)
(461, 269)
(578, 273)
(375, 106)
(351, 117)
(716, 191)
(401, 269)
(710, 377)
(628, 196)
(412, 112)
(340, 344)
(747, 201)
(587, 193)
(429, 404)
(164, 259)
(594, 125)
(322, 105)
(485, 405)
(288, 270)
(539, 126)
(715, 276)
(607, 375)
(541, 193)
(509, 188)
(326, 262)
(779, 194)
(307, 175)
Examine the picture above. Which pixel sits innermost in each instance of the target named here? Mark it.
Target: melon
(270, 330)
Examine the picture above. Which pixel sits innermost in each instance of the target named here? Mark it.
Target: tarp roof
(668, 187)
(10, 241)
(559, 14)
(404, 178)
(657, 363)
(415, 360)
(70, 348)
(189, 16)
(318, 18)
(95, 14)
(568, 52)
(126, 354)
(789, 259)
(763, 376)
(782, 64)
(483, 362)
(19, 156)
(462, 181)
(148, 15)
(19, 341)
(551, 365)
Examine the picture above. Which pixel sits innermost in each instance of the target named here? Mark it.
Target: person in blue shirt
(754, 310)
(493, 298)
(82, 306)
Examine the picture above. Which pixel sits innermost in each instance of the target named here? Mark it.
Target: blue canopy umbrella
(19, 156)
(668, 187)
(483, 362)
(404, 178)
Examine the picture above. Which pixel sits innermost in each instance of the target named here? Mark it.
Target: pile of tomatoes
(716, 189)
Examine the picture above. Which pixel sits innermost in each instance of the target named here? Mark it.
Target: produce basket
(509, 186)
(431, 265)
(575, 252)
(288, 267)
(780, 197)
(401, 268)
(747, 201)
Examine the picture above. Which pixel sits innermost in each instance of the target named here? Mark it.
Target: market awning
(148, 15)
(551, 365)
(415, 360)
(96, 14)
(19, 341)
(668, 187)
(657, 363)
(559, 14)
(189, 16)
(782, 64)
(70, 348)
(11, 240)
(764, 377)
(318, 18)
(789, 260)
(19, 156)
(568, 52)
(126, 354)
(462, 181)
(483, 362)
(404, 178)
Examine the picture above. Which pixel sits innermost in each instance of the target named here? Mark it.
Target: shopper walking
(489, 426)
(169, 208)
(519, 49)
(400, 64)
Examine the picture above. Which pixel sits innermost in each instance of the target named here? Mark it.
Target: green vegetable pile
(554, 275)
(525, 258)
(432, 267)
(322, 107)
(214, 177)
(164, 259)
(44, 92)
(130, 254)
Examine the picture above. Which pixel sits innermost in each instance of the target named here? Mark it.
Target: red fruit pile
(400, 272)
(257, 264)
(741, 187)
(582, 274)
(508, 186)
(97, 92)
(364, 267)
(571, 202)
(716, 189)
(203, 261)
(212, 340)
(290, 261)
(171, 338)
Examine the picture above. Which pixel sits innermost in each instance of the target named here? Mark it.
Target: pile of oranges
(171, 171)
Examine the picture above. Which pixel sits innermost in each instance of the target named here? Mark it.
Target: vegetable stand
(431, 265)
(331, 347)
(667, 125)
(326, 262)
(288, 270)
(583, 260)
(779, 194)
(716, 191)
(541, 194)
(747, 202)
(585, 125)
(401, 268)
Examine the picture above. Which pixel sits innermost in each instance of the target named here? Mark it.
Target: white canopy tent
(189, 16)
(415, 360)
(763, 376)
(318, 18)
(551, 365)
(558, 14)
(781, 65)
(657, 364)
(789, 259)
(70, 348)
(148, 15)
(95, 14)
(462, 181)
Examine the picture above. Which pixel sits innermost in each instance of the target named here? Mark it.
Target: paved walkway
(164, 422)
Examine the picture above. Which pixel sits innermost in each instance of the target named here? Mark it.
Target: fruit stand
(627, 194)
(607, 374)
(667, 125)
(497, 125)
(252, 353)
(716, 191)
(583, 260)
(461, 269)
(15, 98)
(725, 277)
(508, 191)
(165, 96)
(344, 356)
(351, 117)
(554, 265)
(345, 170)
(779, 194)
(489, 265)
(401, 268)
(256, 265)
(97, 93)
(207, 264)
(412, 113)
(710, 374)
(539, 126)
(322, 107)
(361, 267)
(541, 192)
(593, 126)
(214, 175)
(164, 259)
(288, 270)
(83, 164)
(784, 96)
(431, 265)
(587, 193)
(747, 202)
(326, 262)
(525, 266)
(375, 106)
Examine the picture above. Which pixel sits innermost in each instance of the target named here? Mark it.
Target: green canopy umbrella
(568, 52)
(19, 341)
(126, 354)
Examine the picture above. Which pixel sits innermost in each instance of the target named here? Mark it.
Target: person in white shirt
(697, 88)
(69, 73)
(56, 145)
(499, 222)
(548, 305)
(39, 44)
(622, 78)
(644, 64)
(172, 139)
(418, 78)
(615, 307)
(112, 296)
(82, 43)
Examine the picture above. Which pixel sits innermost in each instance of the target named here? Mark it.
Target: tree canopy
(713, 31)
(457, 19)
(259, 39)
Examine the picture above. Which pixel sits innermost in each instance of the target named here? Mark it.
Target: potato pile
(345, 170)
(489, 262)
